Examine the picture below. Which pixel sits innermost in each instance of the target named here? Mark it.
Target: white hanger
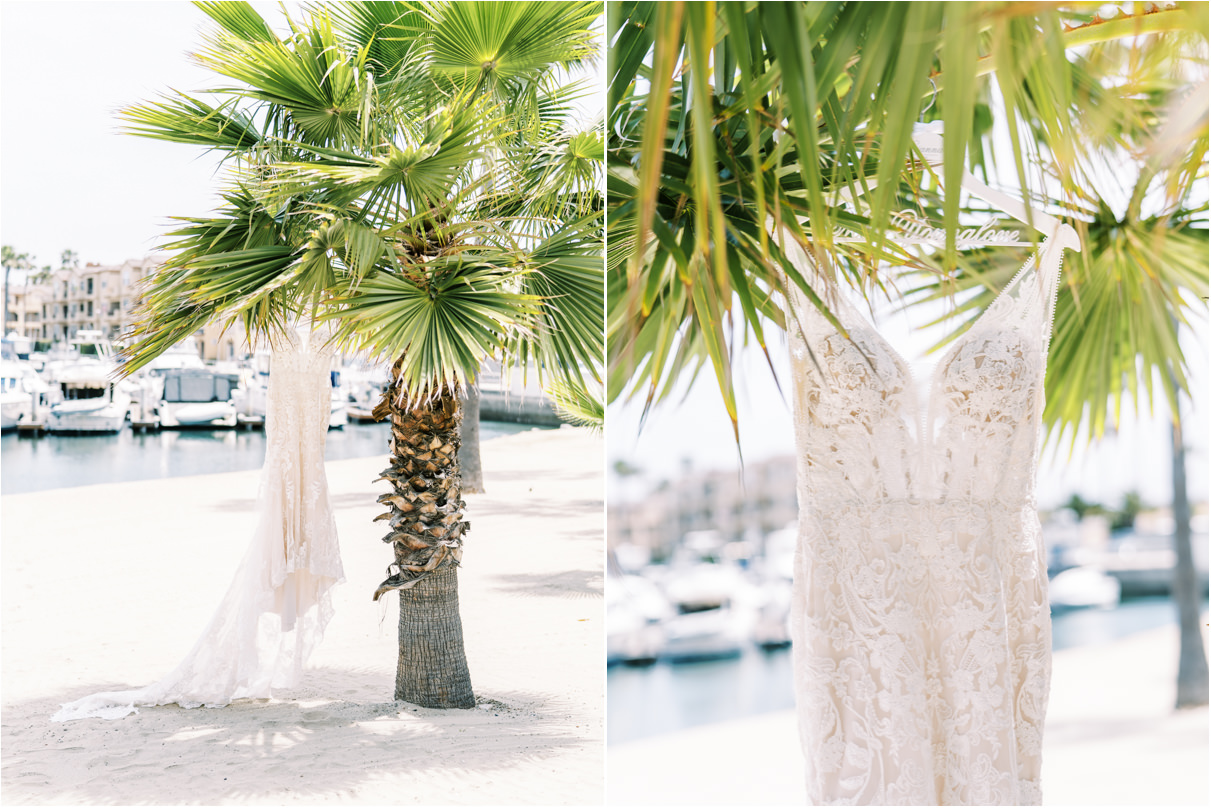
(928, 139)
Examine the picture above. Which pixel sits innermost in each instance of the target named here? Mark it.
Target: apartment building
(734, 506)
(93, 297)
(25, 310)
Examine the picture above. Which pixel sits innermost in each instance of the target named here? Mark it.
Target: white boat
(145, 409)
(17, 346)
(363, 386)
(338, 416)
(635, 615)
(90, 401)
(713, 620)
(1083, 588)
(774, 572)
(23, 395)
(197, 397)
(85, 395)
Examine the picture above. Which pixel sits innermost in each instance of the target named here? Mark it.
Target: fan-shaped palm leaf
(444, 322)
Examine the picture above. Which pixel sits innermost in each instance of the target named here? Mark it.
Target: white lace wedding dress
(921, 628)
(279, 602)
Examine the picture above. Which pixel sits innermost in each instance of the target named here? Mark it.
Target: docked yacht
(635, 615)
(87, 397)
(90, 401)
(714, 619)
(197, 397)
(23, 395)
(1083, 588)
(185, 355)
(363, 386)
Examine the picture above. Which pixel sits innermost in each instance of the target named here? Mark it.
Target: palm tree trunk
(468, 453)
(425, 511)
(432, 669)
(1192, 663)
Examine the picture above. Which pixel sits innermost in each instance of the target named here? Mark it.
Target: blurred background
(1095, 113)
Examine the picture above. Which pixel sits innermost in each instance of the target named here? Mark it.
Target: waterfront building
(736, 506)
(223, 345)
(94, 297)
(26, 302)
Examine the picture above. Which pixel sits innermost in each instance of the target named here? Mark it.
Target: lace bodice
(921, 624)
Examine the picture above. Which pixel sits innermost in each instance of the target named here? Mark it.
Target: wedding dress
(920, 622)
(279, 602)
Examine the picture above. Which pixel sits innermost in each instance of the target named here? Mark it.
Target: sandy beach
(107, 587)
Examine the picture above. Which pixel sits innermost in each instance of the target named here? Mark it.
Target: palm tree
(408, 173)
(727, 119)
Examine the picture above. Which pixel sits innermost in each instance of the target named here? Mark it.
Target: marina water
(664, 697)
(66, 461)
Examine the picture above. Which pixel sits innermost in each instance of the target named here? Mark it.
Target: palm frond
(735, 125)
(444, 316)
(238, 19)
(578, 405)
(566, 275)
(183, 119)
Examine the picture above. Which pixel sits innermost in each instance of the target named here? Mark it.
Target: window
(90, 286)
(90, 303)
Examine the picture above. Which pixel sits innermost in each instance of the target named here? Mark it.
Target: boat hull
(213, 415)
(101, 422)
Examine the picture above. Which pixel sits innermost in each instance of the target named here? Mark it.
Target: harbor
(70, 421)
(666, 697)
(698, 633)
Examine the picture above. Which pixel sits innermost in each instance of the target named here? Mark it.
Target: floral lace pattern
(921, 628)
(279, 601)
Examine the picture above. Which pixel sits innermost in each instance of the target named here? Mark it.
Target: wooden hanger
(928, 139)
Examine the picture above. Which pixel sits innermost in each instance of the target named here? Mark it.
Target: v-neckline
(924, 414)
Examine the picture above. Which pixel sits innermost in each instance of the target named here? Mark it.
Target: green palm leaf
(445, 317)
(578, 405)
(183, 119)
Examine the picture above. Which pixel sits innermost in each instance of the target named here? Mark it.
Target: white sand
(107, 586)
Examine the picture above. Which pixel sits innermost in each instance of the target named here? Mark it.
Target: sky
(69, 178)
